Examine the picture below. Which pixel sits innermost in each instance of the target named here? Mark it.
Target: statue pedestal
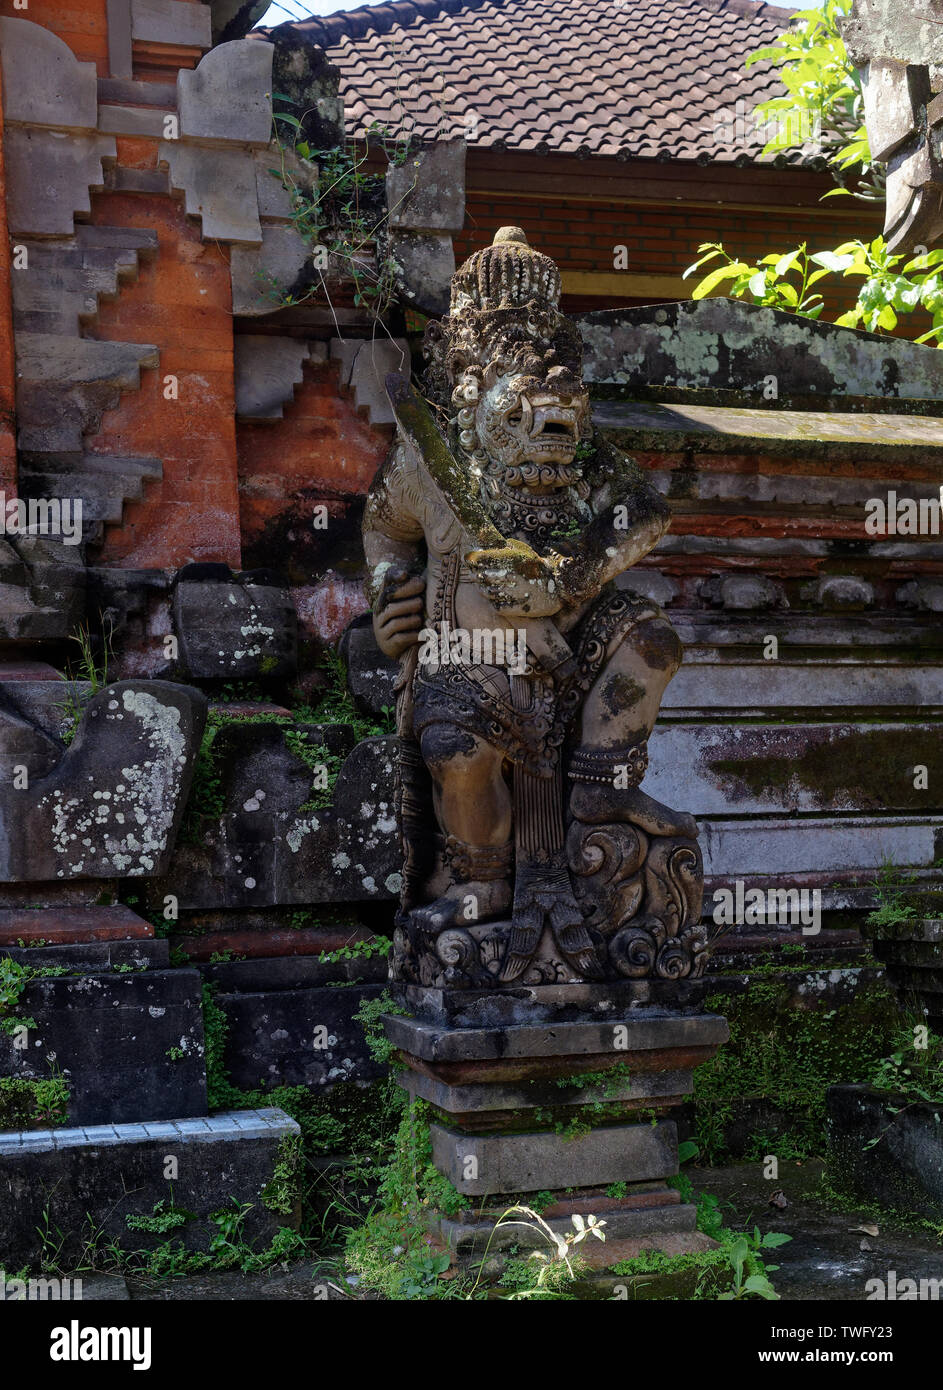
(561, 1089)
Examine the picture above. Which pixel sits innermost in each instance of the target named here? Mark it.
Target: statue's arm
(630, 519)
(393, 544)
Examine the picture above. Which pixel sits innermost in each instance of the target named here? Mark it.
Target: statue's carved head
(507, 365)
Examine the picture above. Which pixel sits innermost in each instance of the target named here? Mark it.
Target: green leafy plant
(339, 208)
(87, 669)
(749, 1281)
(893, 285)
(824, 104)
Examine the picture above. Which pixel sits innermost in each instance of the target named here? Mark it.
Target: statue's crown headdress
(506, 275)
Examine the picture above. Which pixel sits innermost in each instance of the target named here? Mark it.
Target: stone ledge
(652, 1031)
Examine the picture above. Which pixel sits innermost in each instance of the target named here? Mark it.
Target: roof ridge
(749, 9)
(328, 30)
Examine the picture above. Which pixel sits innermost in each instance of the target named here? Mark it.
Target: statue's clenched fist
(398, 614)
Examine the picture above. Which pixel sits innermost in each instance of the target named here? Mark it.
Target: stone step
(46, 357)
(144, 242)
(292, 972)
(103, 494)
(127, 1045)
(92, 957)
(72, 925)
(91, 1179)
(286, 941)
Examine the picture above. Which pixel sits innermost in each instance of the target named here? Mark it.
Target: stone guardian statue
(529, 681)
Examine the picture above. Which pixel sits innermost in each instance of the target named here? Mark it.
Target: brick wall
(181, 302)
(661, 240)
(320, 451)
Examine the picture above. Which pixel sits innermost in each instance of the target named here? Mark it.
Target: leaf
(833, 260)
(787, 262)
(687, 1150)
(757, 284)
(717, 277)
(772, 1239)
(285, 116)
(760, 1285)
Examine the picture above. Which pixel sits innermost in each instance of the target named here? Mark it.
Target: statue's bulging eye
(516, 418)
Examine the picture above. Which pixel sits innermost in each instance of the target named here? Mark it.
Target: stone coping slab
(234, 1124)
(435, 1043)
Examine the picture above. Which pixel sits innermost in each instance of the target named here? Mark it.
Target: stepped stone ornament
(495, 529)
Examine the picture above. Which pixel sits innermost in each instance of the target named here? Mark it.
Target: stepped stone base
(573, 1096)
(90, 1180)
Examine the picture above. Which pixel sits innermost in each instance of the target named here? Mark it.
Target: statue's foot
(464, 904)
(595, 803)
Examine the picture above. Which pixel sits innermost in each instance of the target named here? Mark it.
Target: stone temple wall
(161, 829)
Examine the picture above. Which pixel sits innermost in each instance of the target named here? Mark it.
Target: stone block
(427, 191)
(44, 84)
(135, 121)
(883, 1149)
(128, 1045)
(298, 1037)
(234, 628)
(655, 1088)
(267, 371)
(67, 926)
(263, 275)
(891, 101)
(274, 166)
(218, 187)
(227, 97)
(549, 1161)
(113, 803)
(92, 1180)
(375, 359)
(723, 345)
(650, 1221)
(371, 676)
(91, 957)
(646, 1030)
(270, 849)
(71, 165)
(425, 264)
(174, 22)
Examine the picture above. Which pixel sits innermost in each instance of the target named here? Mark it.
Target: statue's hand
(398, 614)
(516, 580)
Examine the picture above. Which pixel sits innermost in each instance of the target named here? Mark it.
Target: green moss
(787, 1056)
(868, 765)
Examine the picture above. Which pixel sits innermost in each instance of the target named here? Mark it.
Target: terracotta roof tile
(646, 78)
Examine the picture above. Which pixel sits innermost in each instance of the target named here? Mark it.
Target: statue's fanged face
(521, 425)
